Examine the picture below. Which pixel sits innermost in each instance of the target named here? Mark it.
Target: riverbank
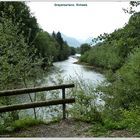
(95, 68)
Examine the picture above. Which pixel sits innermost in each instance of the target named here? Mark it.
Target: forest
(26, 52)
(24, 45)
(117, 55)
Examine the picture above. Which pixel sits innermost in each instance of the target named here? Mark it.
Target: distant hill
(71, 41)
(77, 42)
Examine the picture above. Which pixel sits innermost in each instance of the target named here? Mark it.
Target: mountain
(71, 41)
(77, 42)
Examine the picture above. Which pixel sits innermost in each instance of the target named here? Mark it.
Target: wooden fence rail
(62, 101)
(34, 89)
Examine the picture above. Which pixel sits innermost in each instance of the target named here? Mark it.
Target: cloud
(80, 21)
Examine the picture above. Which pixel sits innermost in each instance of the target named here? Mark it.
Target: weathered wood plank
(34, 89)
(35, 104)
(64, 105)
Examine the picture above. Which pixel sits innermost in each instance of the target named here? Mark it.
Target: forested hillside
(113, 52)
(20, 16)
(24, 45)
(118, 54)
(26, 53)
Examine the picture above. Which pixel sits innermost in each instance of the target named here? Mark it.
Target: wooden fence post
(62, 101)
(64, 105)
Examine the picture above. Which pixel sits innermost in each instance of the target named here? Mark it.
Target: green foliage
(25, 123)
(59, 39)
(125, 89)
(63, 48)
(131, 119)
(111, 119)
(98, 130)
(23, 45)
(20, 15)
(125, 119)
(84, 48)
(113, 52)
(85, 107)
(100, 56)
(119, 54)
(72, 51)
(132, 4)
(117, 120)
(51, 48)
(17, 60)
(19, 124)
(77, 50)
(47, 47)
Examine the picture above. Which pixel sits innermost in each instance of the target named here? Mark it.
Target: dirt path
(67, 128)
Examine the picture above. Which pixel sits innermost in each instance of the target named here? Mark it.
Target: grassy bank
(95, 68)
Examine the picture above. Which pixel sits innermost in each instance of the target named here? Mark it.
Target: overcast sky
(80, 22)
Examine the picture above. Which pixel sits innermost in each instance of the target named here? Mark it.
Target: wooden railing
(62, 101)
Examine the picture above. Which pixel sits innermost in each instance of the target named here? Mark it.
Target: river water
(61, 73)
(69, 69)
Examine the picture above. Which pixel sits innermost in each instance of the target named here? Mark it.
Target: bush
(24, 123)
(98, 130)
(123, 119)
(85, 107)
(131, 119)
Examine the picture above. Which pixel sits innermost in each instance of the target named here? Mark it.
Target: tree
(84, 48)
(20, 15)
(72, 51)
(61, 46)
(59, 39)
(131, 10)
(18, 61)
(48, 47)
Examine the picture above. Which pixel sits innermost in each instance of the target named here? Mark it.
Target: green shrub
(112, 119)
(24, 123)
(131, 119)
(126, 119)
(98, 130)
(85, 107)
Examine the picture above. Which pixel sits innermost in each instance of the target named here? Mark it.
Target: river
(61, 73)
(69, 69)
